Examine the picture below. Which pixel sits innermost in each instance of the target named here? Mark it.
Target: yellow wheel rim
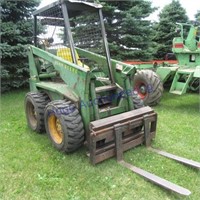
(55, 129)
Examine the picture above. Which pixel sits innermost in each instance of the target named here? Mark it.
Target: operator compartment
(85, 27)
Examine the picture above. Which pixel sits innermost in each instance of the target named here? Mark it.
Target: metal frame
(63, 4)
(68, 30)
(106, 47)
(35, 30)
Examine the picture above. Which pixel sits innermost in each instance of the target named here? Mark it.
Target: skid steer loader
(80, 95)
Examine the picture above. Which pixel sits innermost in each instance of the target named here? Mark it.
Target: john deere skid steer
(79, 95)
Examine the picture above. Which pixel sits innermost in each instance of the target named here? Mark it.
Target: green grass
(30, 168)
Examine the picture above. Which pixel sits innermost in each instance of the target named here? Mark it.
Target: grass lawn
(30, 168)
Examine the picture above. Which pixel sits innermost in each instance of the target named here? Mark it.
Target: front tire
(64, 125)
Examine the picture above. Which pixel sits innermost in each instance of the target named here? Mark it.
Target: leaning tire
(35, 103)
(137, 101)
(149, 87)
(64, 125)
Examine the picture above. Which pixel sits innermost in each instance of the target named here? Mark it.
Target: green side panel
(165, 72)
(60, 88)
(112, 111)
(197, 72)
(100, 60)
(122, 107)
(76, 79)
(120, 70)
(188, 59)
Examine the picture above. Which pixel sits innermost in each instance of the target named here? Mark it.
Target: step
(179, 87)
(176, 92)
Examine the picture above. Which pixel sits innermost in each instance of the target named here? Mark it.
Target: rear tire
(149, 87)
(64, 125)
(35, 103)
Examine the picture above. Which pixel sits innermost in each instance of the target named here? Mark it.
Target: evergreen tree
(16, 32)
(165, 29)
(128, 31)
(197, 16)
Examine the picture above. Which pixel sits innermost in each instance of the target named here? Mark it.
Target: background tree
(16, 32)
(197, 16)
(165, 29)
(128, 31)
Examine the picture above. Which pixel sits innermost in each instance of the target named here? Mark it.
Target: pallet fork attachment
(136, 127)
(114, 128)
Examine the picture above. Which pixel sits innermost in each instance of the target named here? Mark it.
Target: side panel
(165, 72)
(76, 79)
(120, 70)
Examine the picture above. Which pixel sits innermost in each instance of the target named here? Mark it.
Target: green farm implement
(79, 95)
(182, 75)
(186, 74)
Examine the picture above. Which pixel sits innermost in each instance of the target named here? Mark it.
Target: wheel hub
(32, 114)
(55, 129)
(142, 90)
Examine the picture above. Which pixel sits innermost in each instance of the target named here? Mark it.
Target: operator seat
(65, 53)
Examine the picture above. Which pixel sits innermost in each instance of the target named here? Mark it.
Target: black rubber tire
(35, 103)
(194, 85)
(72, 130)
(151, 84)
(137, 101)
